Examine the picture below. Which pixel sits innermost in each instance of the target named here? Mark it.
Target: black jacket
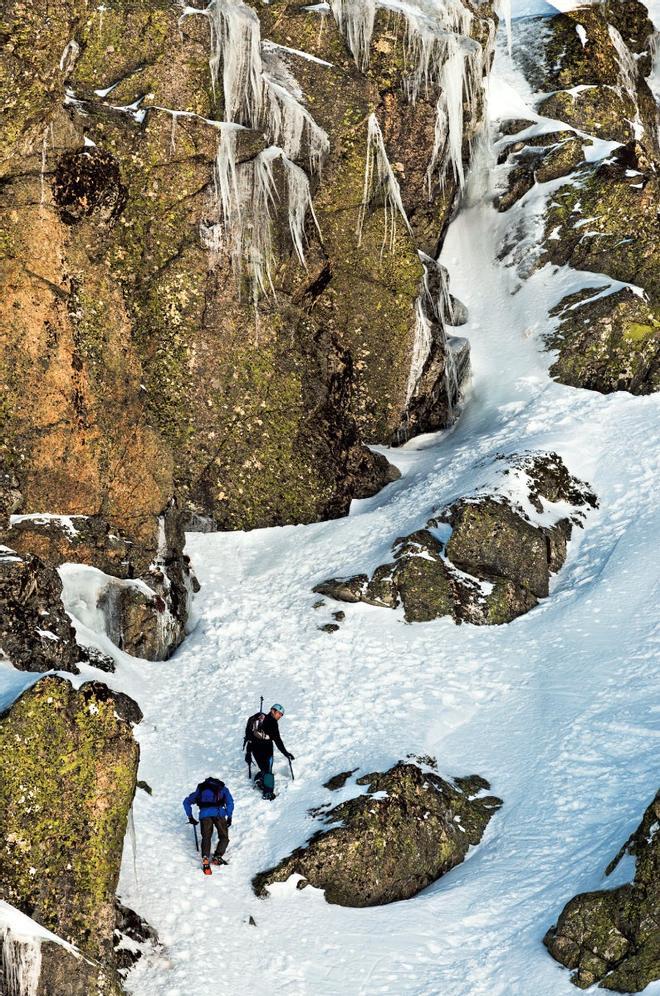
(271, 728)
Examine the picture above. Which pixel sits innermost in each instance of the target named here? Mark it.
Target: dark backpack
(214, 786)
(254, 729)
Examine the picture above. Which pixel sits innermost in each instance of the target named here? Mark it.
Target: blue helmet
(277, 707)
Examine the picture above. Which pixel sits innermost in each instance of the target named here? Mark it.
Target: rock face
(35, 631)
(613, 937)
(483, 559)
(592, 63)
(131, 288)
(68, 766)
(391, 846)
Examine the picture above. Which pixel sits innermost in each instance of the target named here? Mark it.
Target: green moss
(638, 332)
(67, 782)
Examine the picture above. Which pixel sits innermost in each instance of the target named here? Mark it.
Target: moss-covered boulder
(608, 223)
(410, 828)
(68, 765)
(483, 559)
(607, 343)
(613, 937)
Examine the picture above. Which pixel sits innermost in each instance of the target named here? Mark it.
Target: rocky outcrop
(594, 60)
(410, 828)
(613, 937)
(35, 632)
(68, 764)
(483, 559)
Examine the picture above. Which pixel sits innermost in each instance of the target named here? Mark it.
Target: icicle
(246, 195)
(355, 19)
(379, 178)
(20, 963)
(236, 43)
(289, 124)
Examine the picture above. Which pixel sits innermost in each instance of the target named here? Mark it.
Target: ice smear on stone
(380, 183)
(20, 963)
(627, 74)
(440, 305)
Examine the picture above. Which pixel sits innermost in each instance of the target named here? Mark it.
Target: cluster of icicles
(260, 92)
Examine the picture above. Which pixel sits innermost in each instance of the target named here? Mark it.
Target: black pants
(220, 824)
(262, 752)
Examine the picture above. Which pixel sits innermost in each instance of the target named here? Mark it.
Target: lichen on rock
(69, 765)
(409, 829)
(612, 937)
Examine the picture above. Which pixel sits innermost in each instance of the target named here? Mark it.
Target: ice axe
(194, 826)
(291, 770)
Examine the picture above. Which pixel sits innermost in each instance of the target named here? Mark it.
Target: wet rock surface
(68, 770)
(612, 937)
(483, 559)
(410, 828)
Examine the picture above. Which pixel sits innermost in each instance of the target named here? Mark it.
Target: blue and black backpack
(209, 793)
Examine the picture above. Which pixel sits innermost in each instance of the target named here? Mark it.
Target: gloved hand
(290, 757)
(228, 822)
(191, 819)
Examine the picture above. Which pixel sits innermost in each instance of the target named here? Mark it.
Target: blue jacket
(206, 801)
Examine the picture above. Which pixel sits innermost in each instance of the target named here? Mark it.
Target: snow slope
(559, 710)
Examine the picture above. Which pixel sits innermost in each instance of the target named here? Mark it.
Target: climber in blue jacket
(215, 810)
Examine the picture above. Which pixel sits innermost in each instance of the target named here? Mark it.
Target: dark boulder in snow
(408, 830)
(68, 766)
(35, 632)
(484, 559)
(607, 344)
(613, 936)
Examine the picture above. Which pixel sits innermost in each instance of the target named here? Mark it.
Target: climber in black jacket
(261, 732)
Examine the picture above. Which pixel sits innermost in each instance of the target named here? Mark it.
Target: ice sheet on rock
(20, 950)
(64, 522)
